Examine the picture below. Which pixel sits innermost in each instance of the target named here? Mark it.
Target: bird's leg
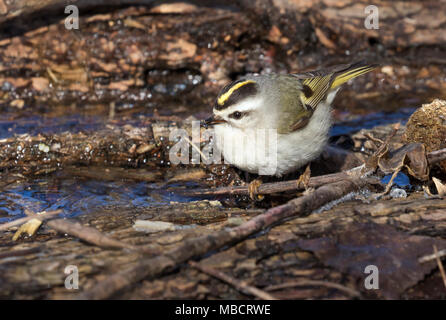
(304, 179)
(253, 189)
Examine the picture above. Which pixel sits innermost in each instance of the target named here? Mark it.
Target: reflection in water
(371, 120)
(48, 125)
(79, 196)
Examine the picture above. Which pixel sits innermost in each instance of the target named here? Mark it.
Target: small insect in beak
(213, 120)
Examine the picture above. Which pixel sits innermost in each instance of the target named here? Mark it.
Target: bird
(291, 113)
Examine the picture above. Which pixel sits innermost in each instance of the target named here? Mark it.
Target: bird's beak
(214, 120)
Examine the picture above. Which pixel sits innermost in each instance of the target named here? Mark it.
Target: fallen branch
(305, 283)
(240, 285)
(294, 185)
(152, 267)
(281, 186)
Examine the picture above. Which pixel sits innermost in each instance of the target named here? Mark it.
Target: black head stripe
(249, 88)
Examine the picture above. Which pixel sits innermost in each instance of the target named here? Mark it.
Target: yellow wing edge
(350, 74)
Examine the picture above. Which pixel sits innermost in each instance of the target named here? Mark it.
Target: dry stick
(440, 265)
(304, 283)
(75, 229)
(152, 267)
(390, 183)
(434, 256)
(196, 148)
(274, 187)
(293, 185)
(436, 156)
(41, 216)
(240, 285)
(87, 234)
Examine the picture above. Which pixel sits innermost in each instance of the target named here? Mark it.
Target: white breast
(265, 152)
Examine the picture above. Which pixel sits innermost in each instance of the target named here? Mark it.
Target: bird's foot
(253, 190)
(304, 179)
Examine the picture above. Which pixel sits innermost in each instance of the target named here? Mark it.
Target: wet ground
(93, 108)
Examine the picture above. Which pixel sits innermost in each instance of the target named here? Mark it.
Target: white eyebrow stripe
(243, 106)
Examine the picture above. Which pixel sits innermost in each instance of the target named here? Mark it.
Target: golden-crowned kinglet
(289, 112)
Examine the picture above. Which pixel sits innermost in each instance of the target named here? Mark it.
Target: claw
(253, 190)
(304, 179)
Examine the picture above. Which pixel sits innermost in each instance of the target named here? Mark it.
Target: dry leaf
(441, 187)
(412, 156)
(29, 227)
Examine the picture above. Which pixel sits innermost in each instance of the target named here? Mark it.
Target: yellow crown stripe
(225, 96)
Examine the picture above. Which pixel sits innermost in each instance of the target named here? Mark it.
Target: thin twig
(281, 186)
(390, 183)
(240, 285)
(371, 137)
(304, 283)
(196, 148)
(41, 216)
(87, 234)
(431, 257)
(436, 156)
(440, 265)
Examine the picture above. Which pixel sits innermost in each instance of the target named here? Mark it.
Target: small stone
(153, 226)
(44, 148)
(235, 222)
(398, 193)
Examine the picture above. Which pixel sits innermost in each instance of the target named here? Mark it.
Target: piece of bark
(394, 253)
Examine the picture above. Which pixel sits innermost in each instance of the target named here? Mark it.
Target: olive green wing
(317, 84)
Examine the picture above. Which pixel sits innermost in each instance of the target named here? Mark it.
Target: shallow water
(79, 196)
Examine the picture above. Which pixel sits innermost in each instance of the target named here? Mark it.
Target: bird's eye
(236, 115)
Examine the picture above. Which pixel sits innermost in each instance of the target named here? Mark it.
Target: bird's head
(238, 105)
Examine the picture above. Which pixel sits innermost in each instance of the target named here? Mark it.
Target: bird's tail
(353, 71)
